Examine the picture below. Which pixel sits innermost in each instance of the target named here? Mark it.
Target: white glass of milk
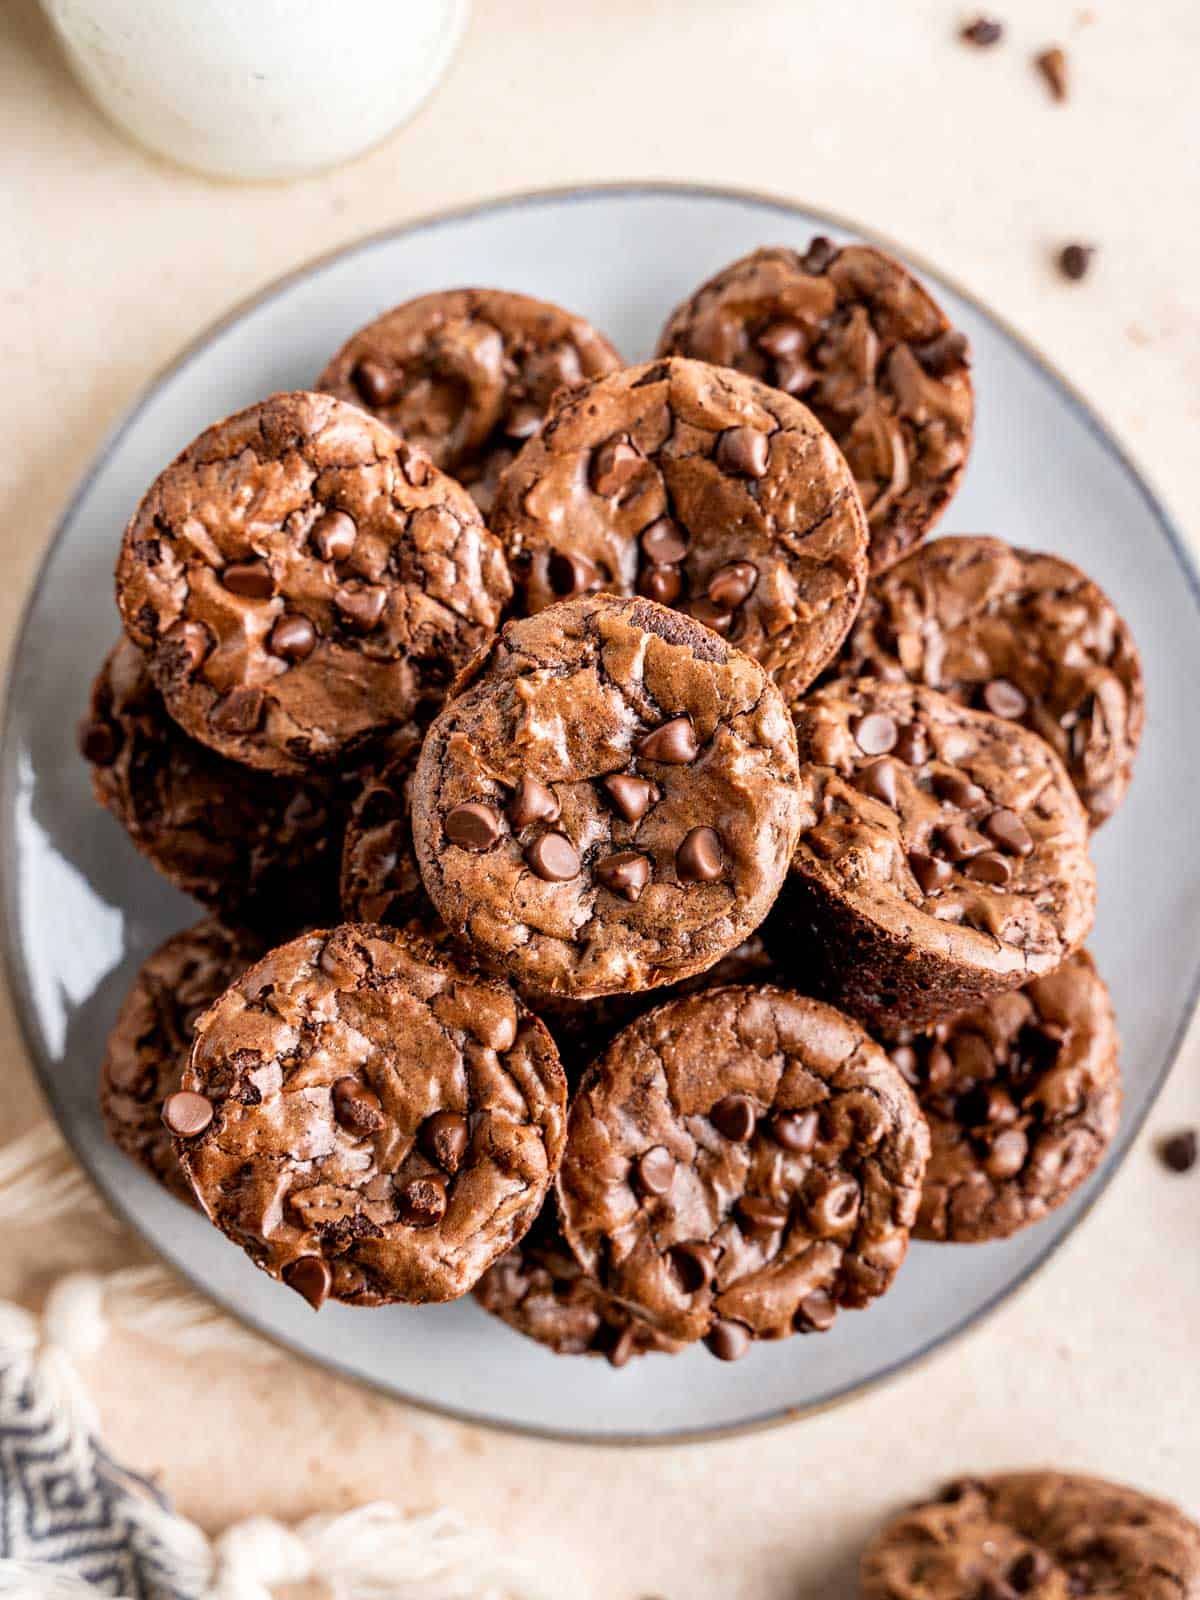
(259, 88)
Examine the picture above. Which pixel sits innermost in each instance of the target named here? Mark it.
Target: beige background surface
(109, 261)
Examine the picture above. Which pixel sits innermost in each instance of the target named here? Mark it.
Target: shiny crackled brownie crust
(703, 490)
(304, 582)
(740, 1164)
(1018, 633)
(943, 857)
(610, 801)
(468, 374)
(370, 1121)
(851, 332)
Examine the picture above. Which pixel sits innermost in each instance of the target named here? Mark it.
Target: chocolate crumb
(982, 32)
(1074, 260)
(1178, 1153)
(1052, 64)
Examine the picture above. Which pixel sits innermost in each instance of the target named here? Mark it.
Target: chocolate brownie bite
(1049, 1535)
(609, 803)
(853, 334)
(148, 1047)
(943, 856)
(540, 1290)
(304, 582)
(254, 847)
(382, 1123)
(700, 489)
(468, 374)
(740, 1164)
(1020, 634)
(1023, 1098)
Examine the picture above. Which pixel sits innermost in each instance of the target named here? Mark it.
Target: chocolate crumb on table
(1178, 1152)
(983, 31)
(1052, 64)
(1075, 260)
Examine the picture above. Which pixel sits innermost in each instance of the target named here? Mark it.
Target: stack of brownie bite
(646, 883)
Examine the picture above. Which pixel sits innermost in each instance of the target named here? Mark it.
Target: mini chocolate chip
(532, 802)
(654, 1171)
(875, 734)
(1007, 1155)
(615, 464)
(444, 1138)
(712, 616)
(362, 607)
(1074, 260)
(793, 374)
(250, 580)
(625, 873)
(99, 743)
(911, 745)
(905, 1059)
(356, 1106)
(240, 711)
(623, 1348)
(930, 873)
(760, 1214)
(795, 1130)
(422, 1203)
(692, 1265)
(1179, 1151)
(816, 1313)
(959, 842)
(983, 31)
(820, 254)
(188, 644)
(334, 535)
(310, 1277)
(472, 826)
(1005, 828)
(939, 1067)
(414, 463)
(783, 337)
(879, 781)
(733, 584)
(664, 584)
(673, 743)
(570, 573)
(523, 421)
(293, 638)
(1004, 699)
(553, 857)
(700, 857)
(735, 1117)
(664, 542)
(943, 354)
(990, 867)
(743, 451)
(1052, 64)
(961, 792)
(186, 1114)
(631, 797)
(377, 385)
(729, 1340)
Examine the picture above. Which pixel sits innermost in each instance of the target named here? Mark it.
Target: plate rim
(14, 965)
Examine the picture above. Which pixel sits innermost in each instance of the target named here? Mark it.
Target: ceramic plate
(82, 909)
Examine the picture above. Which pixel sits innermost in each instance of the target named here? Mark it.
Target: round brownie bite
(468, 374)
(1023, 1098)
(700, 489)
(254, 847)
(1048, 1535)
(369, 1120)
(943, 856)
(1022, 634)
(609, 802)
(741, 1163)
(852, 333)
(150, 1041)
(303, 582)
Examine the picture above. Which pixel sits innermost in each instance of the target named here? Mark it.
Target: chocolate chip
(250, 580)
(820, 254)
(362, 606)
(240, 711)
(879, 781)
(793, 374)
(959, 842)
(664, 542)
(625, 873)
(664, 584)
(292, 638)
(943, 354)
(700, 858)
(631, 797)
(1007, 1155)
(553, 857)
(375, 383)
(961, 792)
(187, 643)
(532, 802)
(356, 1107)
(1005, 828)
(795, 1130)
(759, 1214)
(1074, 260)
(1178, 1153)
(615, 464)
(414, 463)
(623, 1348)
(422, 1203)
(1004, 699)
(816, 1313)
(309, 1276)
(875, 734)
(444, 1138)
(570, 573)
(712, 616)
(673, 743)
(692, 1265)
(99, 743)
(186, 1114)
(983, 31)
(911, 745)
(733, 584)
(905, 1059)
(334, 535)
(523, 421)
(743, 451)
(472, 826)
(654, 1171)
(990, 867)
(783, 337)
(735, 1117)
(930, 873)
(728, 1340)
(1052, 64)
